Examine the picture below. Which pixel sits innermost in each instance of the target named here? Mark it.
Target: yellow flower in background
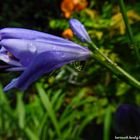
(98, 34)
(133, 16)
(92, 13)
(118, 25)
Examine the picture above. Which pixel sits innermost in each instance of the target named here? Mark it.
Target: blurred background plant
(75, 102)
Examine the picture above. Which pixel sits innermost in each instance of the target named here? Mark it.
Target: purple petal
(29, 48)
(5, 58)
(3, 50)
(21, 49)
(20, 33)
(79, 30)
(42, 64)
(16, 69)
(4, 66)
(10, 85)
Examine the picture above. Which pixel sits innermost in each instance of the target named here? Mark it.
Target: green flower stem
(128, 28)
(107, 62)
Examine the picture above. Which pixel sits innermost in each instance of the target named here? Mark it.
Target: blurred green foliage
(71, 104)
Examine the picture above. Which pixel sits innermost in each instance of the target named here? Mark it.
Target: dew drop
(63, 55)
(54, 48)
(32, 47)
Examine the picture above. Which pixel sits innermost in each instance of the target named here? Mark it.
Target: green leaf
(48, 106)
(31, 134)
(20, 111)
(107, 123)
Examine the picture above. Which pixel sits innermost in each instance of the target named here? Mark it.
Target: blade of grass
(128, 28)
(87, 120)
(2, 96)
(107, 123)
(20, 111)
(30, 134)
(42, 124)
(48, 106)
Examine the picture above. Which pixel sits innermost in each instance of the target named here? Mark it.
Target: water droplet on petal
(54, 48)
(32, 47)
(63, 55)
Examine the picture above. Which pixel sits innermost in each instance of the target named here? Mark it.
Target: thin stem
(128, 28)
(99, 56)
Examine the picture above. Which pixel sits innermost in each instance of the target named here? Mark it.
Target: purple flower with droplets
(79, 30)
(35, 54)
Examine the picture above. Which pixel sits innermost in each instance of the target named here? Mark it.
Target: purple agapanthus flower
(36, 53)
(79, 30)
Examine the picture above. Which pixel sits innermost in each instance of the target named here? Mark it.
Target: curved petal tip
(11, 85)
